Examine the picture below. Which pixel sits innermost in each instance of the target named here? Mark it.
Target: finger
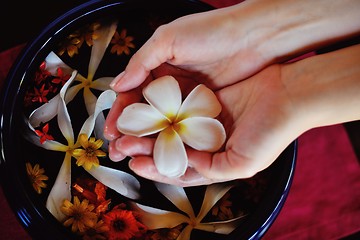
(135, 146)
(114, 154)
(144, 167)
(152, 54)
(123, 99)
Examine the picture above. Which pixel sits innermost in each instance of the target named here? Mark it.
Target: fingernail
(117, 79)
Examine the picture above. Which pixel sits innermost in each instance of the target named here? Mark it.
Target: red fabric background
(324, 200)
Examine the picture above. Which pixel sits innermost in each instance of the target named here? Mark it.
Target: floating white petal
(121, 182)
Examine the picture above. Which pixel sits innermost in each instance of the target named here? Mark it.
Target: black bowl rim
(30, 217)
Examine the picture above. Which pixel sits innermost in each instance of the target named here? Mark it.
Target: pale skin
(240, 53)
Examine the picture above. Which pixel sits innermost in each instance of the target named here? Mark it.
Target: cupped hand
(256, 115)
(212, 43)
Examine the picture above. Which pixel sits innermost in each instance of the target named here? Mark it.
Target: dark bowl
(260, 197)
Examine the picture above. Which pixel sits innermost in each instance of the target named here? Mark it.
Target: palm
(250, 116)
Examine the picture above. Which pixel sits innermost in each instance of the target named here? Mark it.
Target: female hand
(262, 116)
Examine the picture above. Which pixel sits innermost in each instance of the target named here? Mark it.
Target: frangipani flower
(48, 111)
(117, 180)
(191, 122)
(155, 218)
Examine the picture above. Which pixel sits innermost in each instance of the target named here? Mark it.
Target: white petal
(141, 119)
(121, 182)
(164, 94)
(169, 154)
(102, 84)
(48, 111)
(201, 102)
(63, 117)
(90, 100)
(99, 130)
(53, 62)
(98, 49)
(177, 196)
(71, 92)
(61, 189)
(45, 112)
(213, 193)
(105, 101)
(223, 227)
(185, 233)
(155, 218)
(202, 133)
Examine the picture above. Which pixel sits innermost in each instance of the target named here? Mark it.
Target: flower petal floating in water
(123, 224)
(88, 155)
(191, 122)
(37, 177)
(79, 215)
(155, 218)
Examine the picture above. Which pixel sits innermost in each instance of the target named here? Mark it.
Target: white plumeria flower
(191, 122)
(155, 218)
(117, 180)
(53, 62)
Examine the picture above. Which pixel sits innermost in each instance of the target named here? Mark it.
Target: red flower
(60, 78)
(94, 191)
(123, 225)
(40, 94)
(43, 134)
(41, 74)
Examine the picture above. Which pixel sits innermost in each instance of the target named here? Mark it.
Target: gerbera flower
(37, 177)
(191, 122)
(79, 215)
(123, 224)
(88, 157)
(122, 43)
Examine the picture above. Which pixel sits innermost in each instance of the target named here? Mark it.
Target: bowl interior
(30, 86)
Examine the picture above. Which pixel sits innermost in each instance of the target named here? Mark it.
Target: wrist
(280, 30)
(324, 89)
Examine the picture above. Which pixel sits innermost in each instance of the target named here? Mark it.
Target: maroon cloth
(324, 200)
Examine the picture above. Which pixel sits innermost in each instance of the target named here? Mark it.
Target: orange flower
(166, 233)
(222, 208)
(88, 157)
(123, 225)
(80, 215)
(97, 232)
(122, 43)
(37, 177)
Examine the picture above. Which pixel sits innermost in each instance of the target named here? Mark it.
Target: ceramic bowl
(39, 76)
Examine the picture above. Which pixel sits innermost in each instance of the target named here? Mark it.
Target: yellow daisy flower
(88, 156)
(37, 177)
(79, 215)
